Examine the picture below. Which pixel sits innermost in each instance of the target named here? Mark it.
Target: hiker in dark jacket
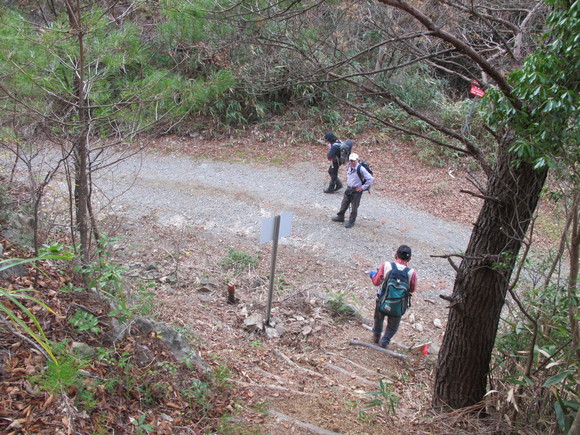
(356, 185)
(333, 156)
(402, 258)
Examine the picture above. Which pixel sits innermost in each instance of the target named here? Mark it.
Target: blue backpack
(359, 172)
(395, 298)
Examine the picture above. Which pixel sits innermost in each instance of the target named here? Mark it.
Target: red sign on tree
(477, 91)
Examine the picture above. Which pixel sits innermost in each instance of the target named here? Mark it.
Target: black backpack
(395, 297)
(359, 173)
(345, 150)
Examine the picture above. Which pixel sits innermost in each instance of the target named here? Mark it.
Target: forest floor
(187, 206)
(193, 200)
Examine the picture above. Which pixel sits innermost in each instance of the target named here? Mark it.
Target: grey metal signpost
(273, 229)
(479, 93)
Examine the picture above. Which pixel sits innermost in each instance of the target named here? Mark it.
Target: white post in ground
(273, 229)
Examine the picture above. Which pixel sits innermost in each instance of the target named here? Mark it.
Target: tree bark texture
(81, 142)
(482, 281)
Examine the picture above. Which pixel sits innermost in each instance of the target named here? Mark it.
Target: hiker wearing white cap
(358, 179)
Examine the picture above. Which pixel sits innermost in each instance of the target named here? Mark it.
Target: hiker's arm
(331, 153)
(378, 277)
(368, 178)
(413, 282)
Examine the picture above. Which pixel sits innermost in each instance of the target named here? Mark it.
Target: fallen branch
(413, 349)
(399, 345)
(380, 349)
(310, 427)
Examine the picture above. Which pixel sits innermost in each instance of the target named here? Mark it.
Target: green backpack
(395, 298)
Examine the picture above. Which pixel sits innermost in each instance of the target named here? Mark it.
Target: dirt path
(178, 215)
(230, 200)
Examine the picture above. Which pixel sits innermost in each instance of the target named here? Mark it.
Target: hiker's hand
(358, 189)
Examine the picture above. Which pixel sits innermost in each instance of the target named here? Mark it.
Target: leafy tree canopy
(549, 84)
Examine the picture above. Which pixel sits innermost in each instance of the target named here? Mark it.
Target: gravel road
(230, 201)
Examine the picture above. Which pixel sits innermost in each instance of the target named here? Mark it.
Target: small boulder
(254, 322)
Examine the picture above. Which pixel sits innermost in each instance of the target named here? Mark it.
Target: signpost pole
(465, 128)
(479, 93)
(273, 268)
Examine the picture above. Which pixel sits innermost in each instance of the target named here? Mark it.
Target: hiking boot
(330, 188)
(376, 338)
(349, 225)
(338, 186)
(337, 219)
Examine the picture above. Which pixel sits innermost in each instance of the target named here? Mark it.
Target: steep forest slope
(182, 208)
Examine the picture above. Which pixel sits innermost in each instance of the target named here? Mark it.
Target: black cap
(404, 252)
(330, 137)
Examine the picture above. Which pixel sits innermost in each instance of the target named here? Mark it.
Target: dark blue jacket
(334, 151)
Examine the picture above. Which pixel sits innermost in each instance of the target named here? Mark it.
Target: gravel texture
(231, 200)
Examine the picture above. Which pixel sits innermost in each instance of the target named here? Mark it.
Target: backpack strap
(406, 271)
(386, 276)
(362, 179)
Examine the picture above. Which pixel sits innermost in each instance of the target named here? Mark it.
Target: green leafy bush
(239, 261)
(384, 399)
(85, 321)
(339, 305)
(535, 361)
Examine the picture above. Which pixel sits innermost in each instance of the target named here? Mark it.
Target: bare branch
(477, 195)
(459, 45)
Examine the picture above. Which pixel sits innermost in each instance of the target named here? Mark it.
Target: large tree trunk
(482, 280)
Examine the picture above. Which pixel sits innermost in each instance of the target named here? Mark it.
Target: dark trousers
(393, 323)
(351, 197)
(333, 172)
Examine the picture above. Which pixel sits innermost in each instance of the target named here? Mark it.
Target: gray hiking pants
(351, 197)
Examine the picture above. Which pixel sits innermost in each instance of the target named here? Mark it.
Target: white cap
(353, 156)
